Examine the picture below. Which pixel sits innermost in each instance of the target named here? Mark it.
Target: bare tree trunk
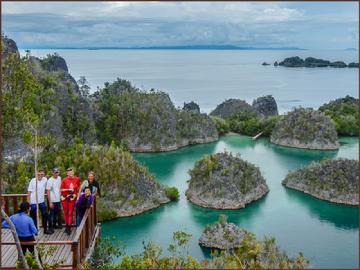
(16, 239)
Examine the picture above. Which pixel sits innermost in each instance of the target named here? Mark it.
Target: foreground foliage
(253, 253)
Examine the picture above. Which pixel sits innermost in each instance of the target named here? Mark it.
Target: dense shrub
(172, 193)
(345, 113)
(222, 125)
(248, 123)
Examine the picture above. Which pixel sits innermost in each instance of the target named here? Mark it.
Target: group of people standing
(66, 194)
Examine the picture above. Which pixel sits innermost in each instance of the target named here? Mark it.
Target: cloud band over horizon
(311, 25)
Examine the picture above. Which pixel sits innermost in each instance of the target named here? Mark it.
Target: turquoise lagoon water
(326, 233)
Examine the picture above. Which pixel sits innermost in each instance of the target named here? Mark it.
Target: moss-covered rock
(306, 128)
(334, 180)
(224, 181)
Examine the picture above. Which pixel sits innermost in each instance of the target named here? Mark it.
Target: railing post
(6, 200)
(75, 255)
(15, 204)
(95, 217)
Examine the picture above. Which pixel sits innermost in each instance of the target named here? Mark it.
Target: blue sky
(311, 25)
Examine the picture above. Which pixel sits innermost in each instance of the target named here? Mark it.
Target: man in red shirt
(69, 189)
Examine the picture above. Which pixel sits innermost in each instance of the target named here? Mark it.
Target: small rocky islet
(224, 181)
(233, 240)
(311, 62)
(306, 128)
(222, 235)
(334, 180)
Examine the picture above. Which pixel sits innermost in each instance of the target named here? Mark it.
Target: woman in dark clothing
(84, 202)
(92, 184)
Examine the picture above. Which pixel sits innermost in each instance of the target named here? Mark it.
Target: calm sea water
(327, 233)
(209, 77)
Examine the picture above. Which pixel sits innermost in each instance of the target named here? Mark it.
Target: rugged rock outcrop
(305, 128)
(8, 47)
(265, 106)
(224, 181)
(334, 180)
(222, 235)
(231, 106)
(191, 107)
(265, 64)
(148, 121)
(312, 62)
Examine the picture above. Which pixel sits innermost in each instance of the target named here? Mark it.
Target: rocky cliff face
(231, 106)
(148, 121)
(71, 113)
(334, 180)
(265, 106)
(305, 128)
(63, 112)
(223, 181)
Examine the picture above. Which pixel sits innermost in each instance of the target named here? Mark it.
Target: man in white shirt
(53, 195)
(40, 181)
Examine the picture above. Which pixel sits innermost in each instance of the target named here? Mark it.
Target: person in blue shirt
(24, 226)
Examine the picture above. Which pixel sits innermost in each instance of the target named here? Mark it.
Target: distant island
(174, 47)
(311, 62)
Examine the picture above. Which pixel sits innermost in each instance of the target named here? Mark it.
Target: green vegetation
(251, 254)
(222, 125)
(26, 101)
(172, 193)
(126, 185)
(345, 113)
(248, 123)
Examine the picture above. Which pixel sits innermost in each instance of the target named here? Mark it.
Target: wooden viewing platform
(70, 250)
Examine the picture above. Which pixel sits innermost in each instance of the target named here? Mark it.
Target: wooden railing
(85, 234)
